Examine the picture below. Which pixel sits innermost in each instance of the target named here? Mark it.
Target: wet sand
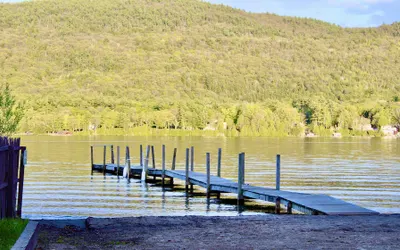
(242, 232)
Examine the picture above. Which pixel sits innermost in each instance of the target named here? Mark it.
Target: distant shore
(242, 232)
(201, 133)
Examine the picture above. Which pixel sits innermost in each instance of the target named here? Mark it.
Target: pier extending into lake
(315, 204)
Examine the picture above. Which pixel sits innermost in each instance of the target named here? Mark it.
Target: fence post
(278, 172)
(21, 181)
(10, 202)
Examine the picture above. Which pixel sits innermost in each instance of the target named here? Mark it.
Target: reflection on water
(58, 181)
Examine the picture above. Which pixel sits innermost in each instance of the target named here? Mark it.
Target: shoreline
(213, 135)
(240, 232)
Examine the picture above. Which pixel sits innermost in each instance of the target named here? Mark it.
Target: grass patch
(10, 230)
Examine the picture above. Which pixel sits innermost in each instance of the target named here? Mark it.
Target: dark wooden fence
(12, 166)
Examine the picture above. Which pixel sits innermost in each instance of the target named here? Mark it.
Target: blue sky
(348, 13)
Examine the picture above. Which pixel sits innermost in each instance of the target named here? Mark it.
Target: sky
(346, 13)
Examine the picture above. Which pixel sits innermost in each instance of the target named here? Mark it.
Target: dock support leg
(219, 168)
(112, 154)
(153, 161)
(289, 207)
(91, 158)
(163, 164)
(141, 155)
(278, 172)
(128, 160)
(173, 166)
(208, 175)
(191, 165)
(174, 159)
(278, 205)
(104, 160)
(241, 179)
(187, 171)
(118, 162)
(146, 165)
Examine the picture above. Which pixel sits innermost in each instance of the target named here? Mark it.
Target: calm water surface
(364, 171)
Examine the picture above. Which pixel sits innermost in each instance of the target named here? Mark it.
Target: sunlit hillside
(187, 64)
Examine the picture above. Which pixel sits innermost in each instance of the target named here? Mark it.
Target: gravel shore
(243, 232)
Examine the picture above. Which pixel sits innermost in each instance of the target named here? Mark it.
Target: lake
(58, 181)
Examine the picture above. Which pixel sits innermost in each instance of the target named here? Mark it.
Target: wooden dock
(314, 204)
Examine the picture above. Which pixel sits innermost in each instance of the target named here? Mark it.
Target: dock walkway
(305, 203)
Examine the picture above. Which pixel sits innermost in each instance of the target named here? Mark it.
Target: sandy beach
(242, 232)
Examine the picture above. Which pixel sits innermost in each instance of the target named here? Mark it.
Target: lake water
(58, 182)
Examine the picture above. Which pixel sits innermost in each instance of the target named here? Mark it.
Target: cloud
(348, 13)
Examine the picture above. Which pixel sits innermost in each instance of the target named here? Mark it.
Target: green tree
(396, 118)
(11, 112)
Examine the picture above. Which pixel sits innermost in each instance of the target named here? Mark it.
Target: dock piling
(118, 161)
(173, 166)
(241, 179)
(146, 164)
(152, 157)
(219, 162)
(208, 170)
(128, 160)
(153, 160)
(91, 158)
(174, 160)
(141, 155)
(191, 165)
(278, 172)
(163, 165)
(112, 154)
(187, 170)
(104, 160)
(304, 203)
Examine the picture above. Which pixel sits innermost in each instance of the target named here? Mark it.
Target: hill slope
(187, 63)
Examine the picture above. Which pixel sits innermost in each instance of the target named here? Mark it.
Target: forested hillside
(130, 65)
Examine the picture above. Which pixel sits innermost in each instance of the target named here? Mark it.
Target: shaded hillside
(187, 63)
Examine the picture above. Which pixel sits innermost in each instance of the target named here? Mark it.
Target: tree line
(130, 66)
